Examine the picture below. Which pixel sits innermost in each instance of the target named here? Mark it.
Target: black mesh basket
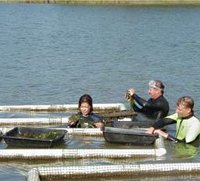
(33, 137)
(136, 136)
(131, 124)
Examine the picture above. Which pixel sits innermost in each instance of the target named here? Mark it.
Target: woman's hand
(99, 124)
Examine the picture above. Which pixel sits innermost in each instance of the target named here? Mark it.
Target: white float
(84, 172)
(61, 107)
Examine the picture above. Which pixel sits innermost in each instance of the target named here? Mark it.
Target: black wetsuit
(153, 108)
(88, 121)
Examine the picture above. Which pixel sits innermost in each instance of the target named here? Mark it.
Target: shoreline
(110, 2)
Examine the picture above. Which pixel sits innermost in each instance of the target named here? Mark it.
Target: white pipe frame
(52, 154)
(61, 107)
(84, 172)
(33, 121)
(34, 154)
(70, 131)
(39, 121)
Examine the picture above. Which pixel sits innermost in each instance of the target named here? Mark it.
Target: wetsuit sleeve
(163, 122)
(139, 100)
(147, 104)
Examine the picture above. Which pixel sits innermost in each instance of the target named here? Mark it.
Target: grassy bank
(111, 2)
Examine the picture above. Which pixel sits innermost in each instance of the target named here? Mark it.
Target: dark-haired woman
(85, 118)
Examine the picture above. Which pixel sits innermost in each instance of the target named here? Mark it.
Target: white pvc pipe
(33, 175)
(71, 131)
(51, 154)
(160, 146)
(83, 131)
(64, 107)
(40, 154)
(33, 121)
(39, 121)
(119, 170)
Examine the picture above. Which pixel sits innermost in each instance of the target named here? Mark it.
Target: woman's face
(85, 108)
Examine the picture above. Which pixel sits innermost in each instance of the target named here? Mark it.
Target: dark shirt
(92, 117)
(153, 108)
(78, 120)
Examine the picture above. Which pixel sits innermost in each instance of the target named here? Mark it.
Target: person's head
(156, 89)
(85, 104)
(184, 106)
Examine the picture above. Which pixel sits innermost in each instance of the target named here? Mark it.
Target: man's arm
(160, 124)
(142, 102)
(163, 122)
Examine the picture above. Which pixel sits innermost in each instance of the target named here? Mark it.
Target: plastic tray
(33, 137)
(135, 136)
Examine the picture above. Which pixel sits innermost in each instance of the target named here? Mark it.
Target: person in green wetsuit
(85, 118)
(187, 124)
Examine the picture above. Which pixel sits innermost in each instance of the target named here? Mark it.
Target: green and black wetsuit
(187, 129)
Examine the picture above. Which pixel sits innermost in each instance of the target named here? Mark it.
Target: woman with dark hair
(85, 118)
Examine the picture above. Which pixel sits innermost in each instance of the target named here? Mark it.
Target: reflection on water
(181, 151)
(185, 151)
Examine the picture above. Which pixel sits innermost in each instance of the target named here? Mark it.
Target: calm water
(52, 54)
